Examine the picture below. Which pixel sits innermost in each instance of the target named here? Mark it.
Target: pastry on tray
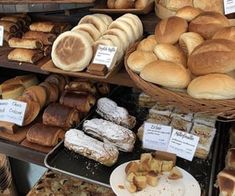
(91, 148)
(180, 124)
(121, 137)
(109, 110)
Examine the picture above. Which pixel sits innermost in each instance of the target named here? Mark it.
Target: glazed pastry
(58, 80)
(91, 148)
(83, 102)
(52, 91)
(82, 86)
(108, 132)
(109, 110)
(61, 116)
(45, 135)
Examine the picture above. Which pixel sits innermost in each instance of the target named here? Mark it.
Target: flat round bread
(89, 28)
(96, 21)
(85, 33)
(137, 22)
(106, 18)
(71, 51)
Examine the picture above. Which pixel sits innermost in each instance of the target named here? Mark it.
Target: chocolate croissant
(60, 115)
(45, 135)
(82, 86)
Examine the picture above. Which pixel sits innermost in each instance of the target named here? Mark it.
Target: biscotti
(121, 137)
(109, 110)
(91, 148)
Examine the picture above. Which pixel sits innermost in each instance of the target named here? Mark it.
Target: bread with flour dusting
(109, 132)
(109, 110)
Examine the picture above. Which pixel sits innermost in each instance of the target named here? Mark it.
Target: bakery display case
(66, 119)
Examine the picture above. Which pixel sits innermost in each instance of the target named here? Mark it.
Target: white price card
(3, 105)
(156, 136)
(15, 112)
(229, 6)
(1, 35)
(183, 144)
(104, 55)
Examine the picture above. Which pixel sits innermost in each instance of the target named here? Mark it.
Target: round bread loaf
(164, 30)
(225, 33)
(168, 52)
(166, 74)
(96, 21)
(212, 86)
(89, 28)
(207, 23)
(147, 44)
(121, 34)
(188, 12)
(212, 56)
(189, 41)
(71, 51)
(138, 59)
(106, 18)
(85, 33)
(123, 25)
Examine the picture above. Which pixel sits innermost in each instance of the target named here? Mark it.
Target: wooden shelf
(44, 1)
(17, 151)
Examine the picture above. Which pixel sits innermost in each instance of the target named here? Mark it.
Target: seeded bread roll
(164, 32)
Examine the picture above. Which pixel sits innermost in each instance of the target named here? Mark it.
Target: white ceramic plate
(186, 186)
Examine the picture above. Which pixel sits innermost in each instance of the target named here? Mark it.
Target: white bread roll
(164, 30)
(225, 33)
(212, 56)
(188, 13)
(212, 86)
(71, 51)
(147, 44)
(189, 41)
(89, 28)
(96, 21)
(208, 23)
(89, 38)
(138, 59)
(174, 5)
(106, 18)
(166, 74)
(168, 52)
(121, 34)
(125, 27)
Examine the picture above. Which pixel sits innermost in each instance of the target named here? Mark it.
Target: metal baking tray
(62, 160)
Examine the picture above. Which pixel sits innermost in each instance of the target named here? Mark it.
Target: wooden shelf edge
(17, 151)
(45, 1)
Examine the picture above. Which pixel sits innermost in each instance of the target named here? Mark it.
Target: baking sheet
(62, 160)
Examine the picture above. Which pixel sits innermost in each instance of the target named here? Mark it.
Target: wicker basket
(221, 108)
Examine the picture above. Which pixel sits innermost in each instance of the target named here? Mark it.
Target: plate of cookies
(151, 175)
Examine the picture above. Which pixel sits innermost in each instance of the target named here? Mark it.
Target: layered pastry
(121, 137)
(180, 124)
(83, 86)
(226, 182)
(230, 159)
(61, 116)
(182, 115)
(145, 100)
(91, 148)
(109, 110)
(205, 119)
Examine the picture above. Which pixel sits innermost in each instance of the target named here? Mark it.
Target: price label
(105, 55)
(229, 6)
(183, 144)
(1, 35)
(156, 136)
(12, 111)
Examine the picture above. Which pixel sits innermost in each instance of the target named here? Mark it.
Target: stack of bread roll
(14, 25)
(190, 46)
(35, 43)
(167, 8)
(74, 50)
(128, 4)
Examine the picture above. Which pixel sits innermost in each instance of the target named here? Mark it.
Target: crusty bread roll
(89, 28)
(162, 12)
(225, 33)
(189, 41)
(212, 56)
(121, 34)
(124, 4)
(164, 32)
(96, 21)
(147, 44)
(71, 51)
(12, 91)
(106, 18)
(166, 74)
(188, 12)
(25, 43)
(141, 4)
(212, 5)
(212, 86)
(168, 52)
(175, 4)
(138, 59)
(207, 23)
